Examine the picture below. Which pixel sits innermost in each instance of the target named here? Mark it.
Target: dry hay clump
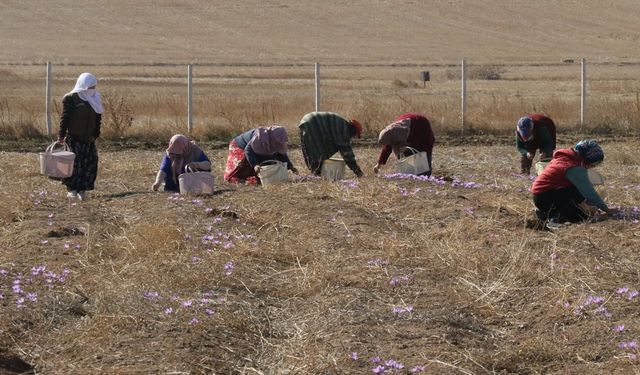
(386, 273)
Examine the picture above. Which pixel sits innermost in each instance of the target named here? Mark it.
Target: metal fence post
(189, 98)
(47, 106)
(463, 111)
(583, 91)
(317, 87)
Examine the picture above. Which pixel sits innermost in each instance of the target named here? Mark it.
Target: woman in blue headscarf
(563, 191)
(534, 132)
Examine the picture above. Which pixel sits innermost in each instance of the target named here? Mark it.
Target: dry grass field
(384, 274)
(433, 276)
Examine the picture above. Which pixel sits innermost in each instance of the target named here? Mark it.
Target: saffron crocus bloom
(619, 328)
(378, 369)
(354, 356)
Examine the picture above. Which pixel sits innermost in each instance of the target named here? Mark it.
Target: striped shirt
(325, 133)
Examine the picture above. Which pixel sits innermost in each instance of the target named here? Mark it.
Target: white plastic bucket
(196, 183)
(540, 167)
(417, 163)
(273, 172)
(57, 163)
(333, 168)
(595, 177)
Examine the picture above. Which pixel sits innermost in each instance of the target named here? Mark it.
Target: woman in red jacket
(409, 129)
(563, 192)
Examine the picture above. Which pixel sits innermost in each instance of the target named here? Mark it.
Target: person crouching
(563, 192)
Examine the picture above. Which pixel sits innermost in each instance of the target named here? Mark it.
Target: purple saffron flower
(187, 303)
(378, 369)
(194, 321)
(417, 369)
(209, 311)
(375, 359)
(228, 268)
(168, 310)
(33, 297)
(152, 295)
(622, 290)
(354, 356)
(619, 328)
(632, 294)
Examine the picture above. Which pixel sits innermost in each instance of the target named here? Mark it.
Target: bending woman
(251, 148)
(410, 129)
(181, 154)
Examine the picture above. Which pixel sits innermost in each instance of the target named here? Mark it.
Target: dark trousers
(562, 205)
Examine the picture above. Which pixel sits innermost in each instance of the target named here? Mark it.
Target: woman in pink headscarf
(253, 147)
(181, 154)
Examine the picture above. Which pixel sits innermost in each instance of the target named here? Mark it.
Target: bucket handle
(52, 147)
(408, 148)
(270, 162)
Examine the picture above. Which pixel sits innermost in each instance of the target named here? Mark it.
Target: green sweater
(542, 140)
(325, 133)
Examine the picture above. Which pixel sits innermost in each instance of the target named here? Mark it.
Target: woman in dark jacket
(79, 127)
(410, 129)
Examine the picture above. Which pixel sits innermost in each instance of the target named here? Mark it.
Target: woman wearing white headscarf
(79, 127)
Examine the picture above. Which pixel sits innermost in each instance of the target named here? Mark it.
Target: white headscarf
(86, 80)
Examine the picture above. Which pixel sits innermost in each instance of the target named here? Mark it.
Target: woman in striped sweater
(322, 134)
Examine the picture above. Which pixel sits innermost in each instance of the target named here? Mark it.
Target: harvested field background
(383, 274)
(316, 277)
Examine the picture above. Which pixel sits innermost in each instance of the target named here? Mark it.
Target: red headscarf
(357, 126)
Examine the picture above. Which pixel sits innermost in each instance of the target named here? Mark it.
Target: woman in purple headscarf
(253, 147)
(183, 153)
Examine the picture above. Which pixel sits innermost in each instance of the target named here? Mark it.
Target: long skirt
(85, 166)
(238, 169)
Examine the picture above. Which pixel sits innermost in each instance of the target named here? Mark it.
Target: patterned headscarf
(270, 140)
(86, 80)
(590, 151)
(181, 151)
(396, 135)
(524, 127)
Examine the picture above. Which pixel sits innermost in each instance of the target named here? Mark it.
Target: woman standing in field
(534, 132)
(181, 154)
(408, 130)
(322, 134)
(563, 192)
(251, 148)
(79, 127)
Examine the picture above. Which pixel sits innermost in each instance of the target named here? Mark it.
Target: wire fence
(460, 96)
